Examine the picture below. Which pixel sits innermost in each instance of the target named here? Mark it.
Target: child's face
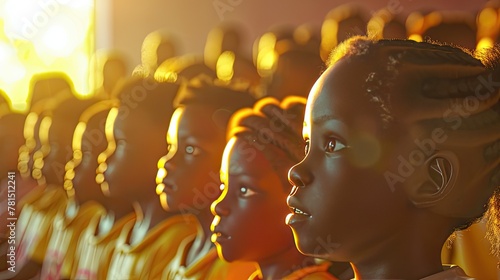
(131, 168)
(59, 140)
(93, 142)
(344, 203)
(191, 181)
(250, 213)
(11, 138)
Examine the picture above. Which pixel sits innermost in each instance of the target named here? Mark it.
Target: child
(402, 142)
(60, 258)
(145, 245)
(248, 225)
(188, 176)
(94, 248)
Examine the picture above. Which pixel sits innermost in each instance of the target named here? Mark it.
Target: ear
(437, 178)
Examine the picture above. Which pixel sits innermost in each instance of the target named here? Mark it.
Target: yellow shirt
(207, 267)
(315, 272)
(24, 189)
(471, 251)
(26, 207)
(60, 259)
(148, 259)
(95, 251)
(36, 232)
(453, 273)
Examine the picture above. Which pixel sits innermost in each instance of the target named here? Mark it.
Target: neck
(284, 263)
(117, 208)
(413, 252)
(202, 244)
(150, 211)
(205, 218)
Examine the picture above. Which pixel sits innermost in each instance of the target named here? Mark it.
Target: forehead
(340, 93)
(133, 122)
(200, 122)
(242, 162)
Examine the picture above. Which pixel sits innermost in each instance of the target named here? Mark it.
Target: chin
(225, 254)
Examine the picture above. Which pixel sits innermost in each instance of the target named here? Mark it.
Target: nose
(219, 207)
(299, 177)
(169, 160)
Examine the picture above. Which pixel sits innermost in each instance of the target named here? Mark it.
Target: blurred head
(457, 28)
(188, 176)
(264, 142)
(89, 140)
(340, 24)
(158, 46)
(226, 37)
(404, 129)
(289, 65)
(127, 167)
(11, 139)
(50, 85)
(384, 24)
(183, 68)
(111, 70)
(56, 137)
(5, 104)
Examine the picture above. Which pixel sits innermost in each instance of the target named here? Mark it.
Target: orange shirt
(95, 251)
(207, 267)
(471, 251)
(60, 259)
(453, 273)
(148, 258)
(37, 223)
(315, 272)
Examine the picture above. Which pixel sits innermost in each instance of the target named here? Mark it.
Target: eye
(247, 192)
(222, 187)
(192, 150)
(333, 145)
(306, 147)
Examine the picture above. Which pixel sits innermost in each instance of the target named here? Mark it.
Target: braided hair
(430, 85)
(275, 129)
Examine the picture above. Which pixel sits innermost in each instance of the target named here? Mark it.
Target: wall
(132, 20)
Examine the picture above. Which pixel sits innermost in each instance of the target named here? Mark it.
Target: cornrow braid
(273, 128)
(426, 86)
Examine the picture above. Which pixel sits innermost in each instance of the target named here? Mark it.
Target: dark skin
(93, 142)
(345, 199)
(295, 74)
(60, 142)
(132, 169)
(192, 169)
(11, 138)
(248, 224)
(60, 137)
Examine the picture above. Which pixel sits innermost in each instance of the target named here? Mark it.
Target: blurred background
(69, 35)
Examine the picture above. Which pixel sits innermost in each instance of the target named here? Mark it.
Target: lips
(219, 236)
(169, 187)
(299, 213)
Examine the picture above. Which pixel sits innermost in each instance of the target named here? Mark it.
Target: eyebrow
(324, 118)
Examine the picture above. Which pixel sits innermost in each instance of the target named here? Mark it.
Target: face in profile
(131, 168)
(59, 140)
(340, 201)
(11, 138)
(93, 142)
(249, 214)
(191, 167)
